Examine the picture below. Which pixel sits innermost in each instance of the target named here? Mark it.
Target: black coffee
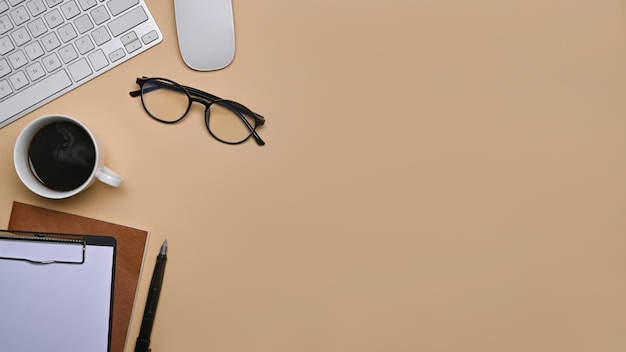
(62, 155)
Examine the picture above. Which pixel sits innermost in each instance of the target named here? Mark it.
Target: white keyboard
(49, 47)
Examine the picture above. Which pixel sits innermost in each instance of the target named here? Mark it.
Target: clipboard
(56, 291)
(129, 255)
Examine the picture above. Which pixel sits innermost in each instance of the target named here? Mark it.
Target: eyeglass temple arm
(260, 120)
(141, 81)
(256, 136)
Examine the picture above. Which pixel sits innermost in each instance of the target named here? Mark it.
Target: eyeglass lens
(169, 103)
(164, 101)
(229, 125)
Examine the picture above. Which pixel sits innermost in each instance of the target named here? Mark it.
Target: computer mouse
(206, 33)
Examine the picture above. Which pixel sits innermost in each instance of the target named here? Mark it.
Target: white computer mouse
(206, 33)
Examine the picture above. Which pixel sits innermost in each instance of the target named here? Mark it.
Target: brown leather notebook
(131, 247)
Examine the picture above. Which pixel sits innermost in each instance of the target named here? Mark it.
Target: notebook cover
(131, 247)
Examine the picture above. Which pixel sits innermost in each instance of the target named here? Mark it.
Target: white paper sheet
(55, 307)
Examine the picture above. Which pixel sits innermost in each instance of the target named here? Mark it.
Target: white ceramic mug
(23, 165)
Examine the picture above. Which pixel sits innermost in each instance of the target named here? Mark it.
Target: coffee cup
(57, 156)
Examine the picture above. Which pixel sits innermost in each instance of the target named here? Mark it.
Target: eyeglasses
(169, 102)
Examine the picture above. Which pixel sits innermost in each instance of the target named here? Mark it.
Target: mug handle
(109, 177)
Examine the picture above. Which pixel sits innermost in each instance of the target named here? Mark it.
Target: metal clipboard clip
(27, 246)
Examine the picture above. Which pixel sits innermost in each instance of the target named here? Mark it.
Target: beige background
(438, 176)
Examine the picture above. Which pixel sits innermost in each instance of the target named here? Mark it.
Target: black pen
(143, 341)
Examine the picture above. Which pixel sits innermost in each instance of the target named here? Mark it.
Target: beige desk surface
(438, 176)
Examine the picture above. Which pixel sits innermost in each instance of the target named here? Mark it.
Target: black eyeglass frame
(206, 99)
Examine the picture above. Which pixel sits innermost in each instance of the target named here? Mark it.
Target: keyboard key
(5, 89)
(6, 45)
(4, 68)
(15, 2)
(68, 53)
(101, 36)
(35, 71)
(34, 50)
(79, 70)
(18, 59)
(84, 44)
(67, 32)
(100, 15)
(37, 27)
(50, 41)
(3, 6)
(20, 36)
(133, 46)
(127, 21)
(98, 60)
(36, 7)
(149, 37)
(5, 24)
(128, 37)
(83, 24)
(18, 80)
(118, 6)
(19, 15)
(117, 54)
(51, 62)
(70, 9)
(53, 18)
